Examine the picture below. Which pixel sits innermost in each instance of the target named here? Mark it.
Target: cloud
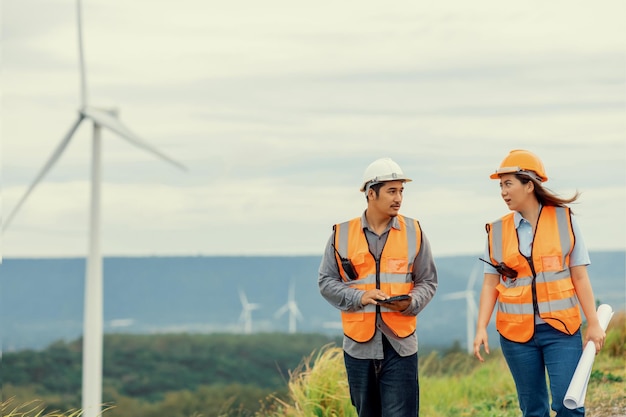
(277, 108)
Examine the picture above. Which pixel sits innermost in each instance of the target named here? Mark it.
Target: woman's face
(515, 194)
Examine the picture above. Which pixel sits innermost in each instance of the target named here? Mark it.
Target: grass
(453, 385)
(33, 409)
(36, 408)
(318, 387)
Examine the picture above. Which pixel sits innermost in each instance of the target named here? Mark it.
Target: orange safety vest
(543, 285)
(392, 274)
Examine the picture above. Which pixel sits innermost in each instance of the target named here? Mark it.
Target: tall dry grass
(318, 387)
(33, 409)
(454, 385)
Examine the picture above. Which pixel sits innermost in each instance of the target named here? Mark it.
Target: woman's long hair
(545, 196)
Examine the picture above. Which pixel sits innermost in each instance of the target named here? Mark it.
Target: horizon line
(233, 255)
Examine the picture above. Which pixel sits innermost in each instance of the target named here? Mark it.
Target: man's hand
(375, 296)
(372, 297)
(399, 305)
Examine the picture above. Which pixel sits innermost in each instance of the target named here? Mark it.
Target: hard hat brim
(516, 170)
(504, 170)
(362, 189)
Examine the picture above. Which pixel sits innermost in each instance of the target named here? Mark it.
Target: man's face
(389, 199)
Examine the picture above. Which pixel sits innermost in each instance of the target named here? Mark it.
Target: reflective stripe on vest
(556, 299)
(394, 275)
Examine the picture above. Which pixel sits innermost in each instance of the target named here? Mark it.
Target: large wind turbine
(93, 315)
(246, 312)
(292, 308)
(471, 313)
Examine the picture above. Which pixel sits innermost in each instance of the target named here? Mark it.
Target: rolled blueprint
(575, 395)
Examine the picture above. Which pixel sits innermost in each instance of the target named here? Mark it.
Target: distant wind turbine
(332, 325)
(292, 308)
(93, 316)
(471, 313)
(246, 312)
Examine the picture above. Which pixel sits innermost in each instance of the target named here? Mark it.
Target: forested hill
(144, 371)
(42, 299)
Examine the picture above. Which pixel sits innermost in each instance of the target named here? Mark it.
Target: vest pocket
(511, 295)
(510, 304)
(561, 286)
(503, 318)
(354, 316)
(397, 265)
(551, 263)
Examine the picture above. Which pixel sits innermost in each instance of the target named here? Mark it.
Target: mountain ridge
(42, 298)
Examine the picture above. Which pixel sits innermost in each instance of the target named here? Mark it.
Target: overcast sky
(276, 107)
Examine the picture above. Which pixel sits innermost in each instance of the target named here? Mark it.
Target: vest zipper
(533, 284)
(532, 265)
(377, 282)
(378, 273)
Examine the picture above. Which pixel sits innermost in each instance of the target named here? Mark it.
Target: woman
(536, 269)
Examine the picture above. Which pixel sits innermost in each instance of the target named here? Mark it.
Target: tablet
(395, 298)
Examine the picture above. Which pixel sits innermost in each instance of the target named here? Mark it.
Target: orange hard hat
(519, 161)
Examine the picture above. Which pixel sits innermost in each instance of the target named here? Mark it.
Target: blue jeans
(548, 349)
(384, 388)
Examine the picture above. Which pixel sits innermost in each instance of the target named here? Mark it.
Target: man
(368, 260)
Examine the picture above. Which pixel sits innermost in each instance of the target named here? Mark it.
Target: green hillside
(272, 375)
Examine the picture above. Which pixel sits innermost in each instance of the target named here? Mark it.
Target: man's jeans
(548, 349)
(384, 388)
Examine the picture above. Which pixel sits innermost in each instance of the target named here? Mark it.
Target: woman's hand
(596, 335)
(481, 339)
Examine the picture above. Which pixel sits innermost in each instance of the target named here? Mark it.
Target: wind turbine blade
(81, 57)
(291, 305)
(472, 307)
(112, 123)
(42, 173)
(243, 298)
(474, 276)
(297, 312)
(281, 311)
(292, 292)
(454, 295)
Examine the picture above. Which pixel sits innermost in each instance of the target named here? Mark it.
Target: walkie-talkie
(347, 266)
(503, 269)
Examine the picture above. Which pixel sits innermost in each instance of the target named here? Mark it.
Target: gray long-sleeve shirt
(339, 293)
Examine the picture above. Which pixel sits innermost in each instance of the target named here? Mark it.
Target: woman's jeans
(548, 349)
(384, 388)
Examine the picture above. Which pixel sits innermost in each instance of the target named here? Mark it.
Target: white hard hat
(383, 169)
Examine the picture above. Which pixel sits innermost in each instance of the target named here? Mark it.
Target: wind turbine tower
(246, 312)
(292, 308)
(93, 314)
(471, 313)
